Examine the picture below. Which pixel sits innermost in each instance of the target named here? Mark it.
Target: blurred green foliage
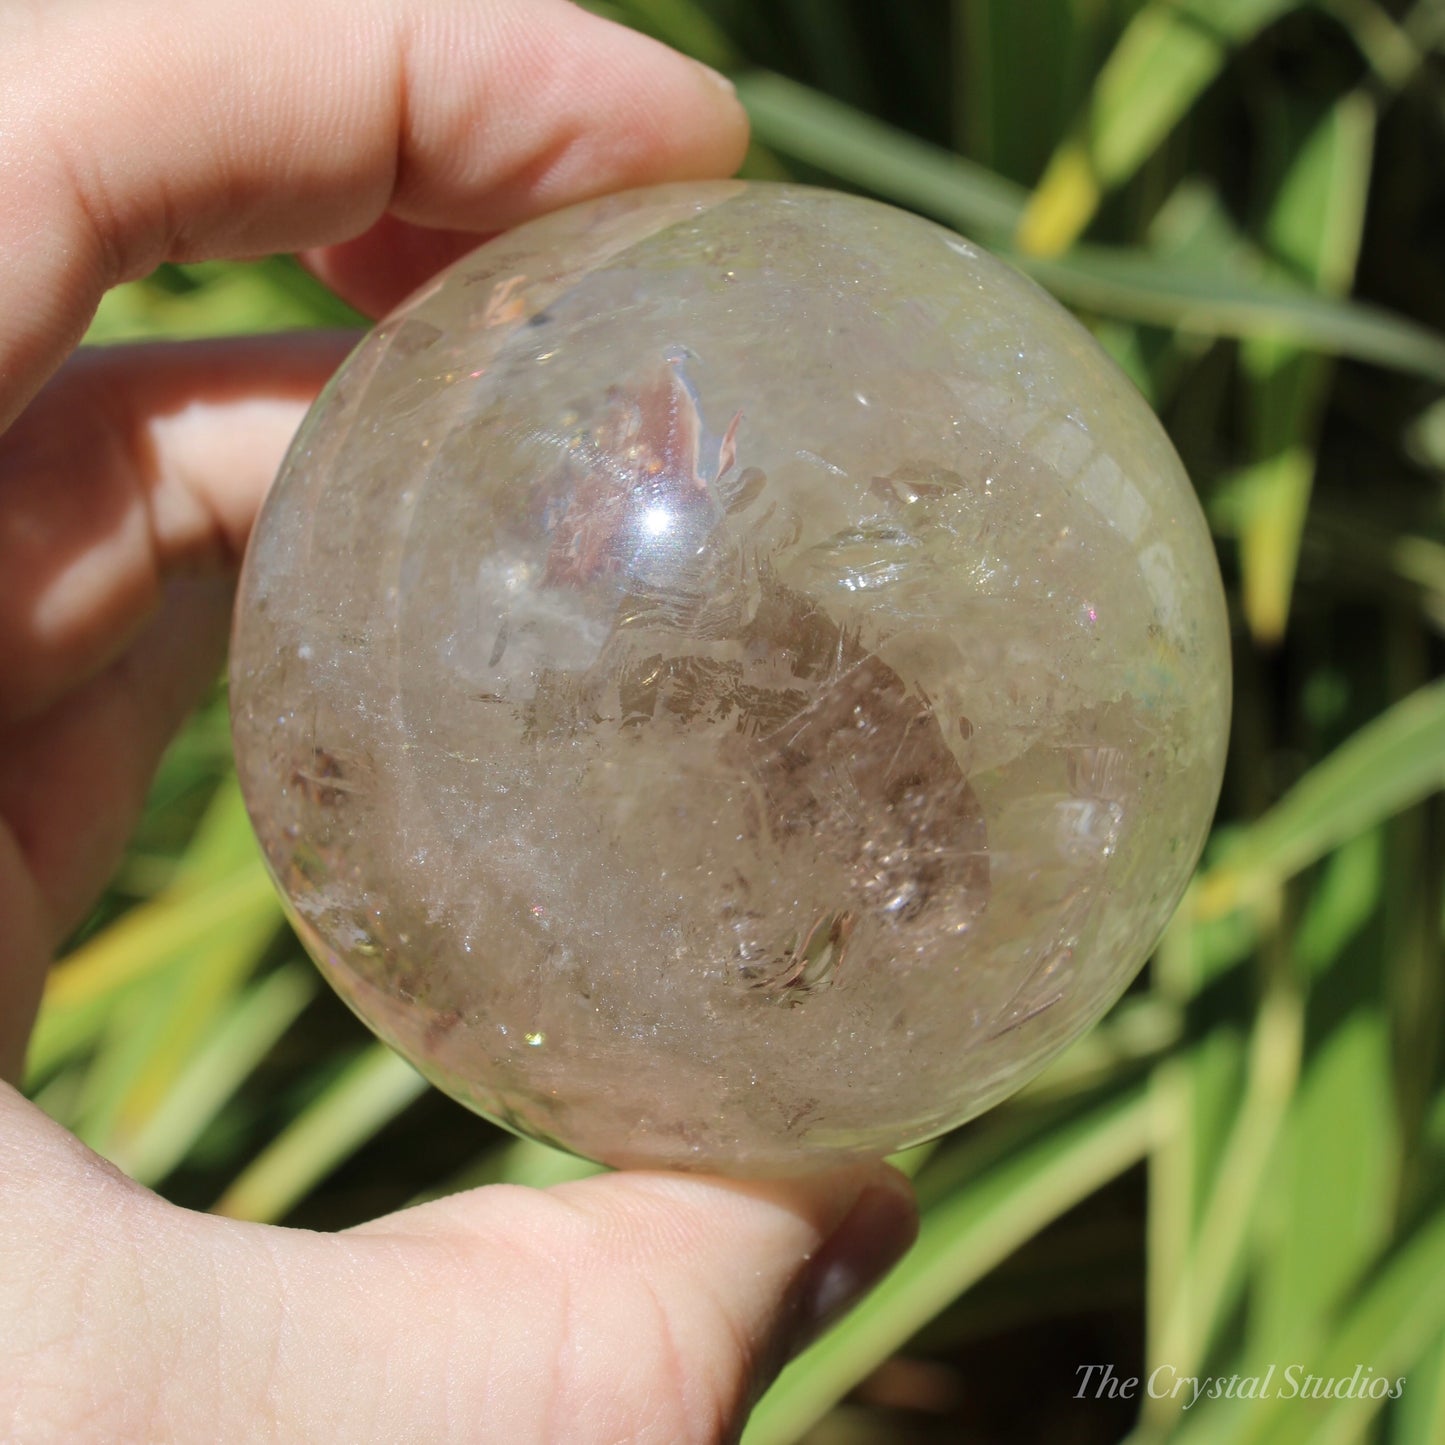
(1245, 1164)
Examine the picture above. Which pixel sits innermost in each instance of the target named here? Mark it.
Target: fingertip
(816, 1242)
(550, 105)
(655, 1306)
(750, 1272)
(719, 80)
(607, 109)
(672, 117)
(277, 127)
(862, 1248)
(864, 1219)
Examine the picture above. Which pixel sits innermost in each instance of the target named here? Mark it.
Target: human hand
(380, 138)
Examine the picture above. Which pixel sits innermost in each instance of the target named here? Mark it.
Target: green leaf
(150, 1033)
(1394, 1325)
(962, 1237)
(1127, 283)
(1421, 1411)
(1315, 226)
(215, 1070)
(1170, 51)
(226, 299)
(1212, 1271)
(683, 25)
(1191, 228)
(1195, 1097)
(155, 1031)
(368, 1094)
(1316, 1203)
(1348, 891)
(1132, 284)
(1329, 1209)
(1007, 126)
(1390, 50)
(1269, 499)
(179, 924)
(1392, 762)
(1135, 1032)
(872, 155)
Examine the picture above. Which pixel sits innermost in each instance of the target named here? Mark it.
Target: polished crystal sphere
(730, 676)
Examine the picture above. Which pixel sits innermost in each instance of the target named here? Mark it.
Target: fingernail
(716, 77)
(874, 1235)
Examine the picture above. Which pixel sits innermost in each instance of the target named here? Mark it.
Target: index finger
(138, 131)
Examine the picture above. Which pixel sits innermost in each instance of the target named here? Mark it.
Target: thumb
(648, 1306)
(639, 1307)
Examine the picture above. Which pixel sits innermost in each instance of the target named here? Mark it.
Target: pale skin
(378, 137)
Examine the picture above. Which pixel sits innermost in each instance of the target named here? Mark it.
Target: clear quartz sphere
(730, 676)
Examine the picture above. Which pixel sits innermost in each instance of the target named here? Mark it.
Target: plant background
(1245, 1164)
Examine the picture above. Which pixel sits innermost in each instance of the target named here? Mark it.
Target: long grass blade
(837, 138)
(1170, 51)
(1314, 227)
(1333, 1191)
(1132, 284)
(1009, 127)
(154, 1033)
(229, 1054)
(1395, 1323)
(368, 1094)
(1421, 1419)
(1213, 1271)
(145, 941)
(1392, 762)
(961, 1239)
(274, 294)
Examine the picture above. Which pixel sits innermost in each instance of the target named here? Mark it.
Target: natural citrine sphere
(730, 676)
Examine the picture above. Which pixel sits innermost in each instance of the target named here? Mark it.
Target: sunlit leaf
(1392, 762)
(1212, 1270)
(1114, 281)
(1331, 1201)
(834, 137)
(1166, 56)
(1396, 1322)
(368, 1094)
(154, 1033)
(1295, 1156)
(1135, 285)
(173, 926)
(1314, 227)
(223, 1060)
(275, 294)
